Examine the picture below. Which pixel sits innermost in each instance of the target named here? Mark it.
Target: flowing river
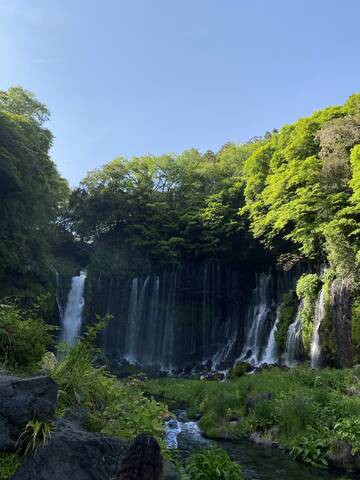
(257, 462)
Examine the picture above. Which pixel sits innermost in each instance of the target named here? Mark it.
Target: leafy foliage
(212, 464)
(161, 210)
(307, 289)
(24, 338)
(348, 429)
(286, 315)
(31, 193)
(115, 408)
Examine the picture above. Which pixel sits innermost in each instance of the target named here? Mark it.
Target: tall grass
(114, 407)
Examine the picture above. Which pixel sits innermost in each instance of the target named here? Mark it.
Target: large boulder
(21, 400)
(73, 453)
(340, 457)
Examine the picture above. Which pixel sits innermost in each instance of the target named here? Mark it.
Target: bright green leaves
(297, 182)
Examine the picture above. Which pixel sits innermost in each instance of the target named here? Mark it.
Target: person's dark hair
(143, 460)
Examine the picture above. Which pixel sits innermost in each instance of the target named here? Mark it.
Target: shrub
(115, 408)
(24, 338)
(287, 312)
(307, 288)
(212, 464)
(295, 414)
(239, 370)
(311, 447)
(348, 429)
(263, 416)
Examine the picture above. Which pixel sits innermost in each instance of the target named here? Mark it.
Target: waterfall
(292, 349)
(271, 354)
(167, 350)
(154, 320)
(57, 296)
(132, 320)
(258, 312)
(201, 315)
(315, 349)
(72, 317)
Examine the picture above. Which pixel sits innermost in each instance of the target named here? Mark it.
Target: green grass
(211, 464)
(303, 410)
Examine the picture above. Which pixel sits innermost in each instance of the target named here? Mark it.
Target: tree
(30, 195)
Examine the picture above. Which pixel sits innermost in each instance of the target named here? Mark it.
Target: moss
(286, 315)
(9, 463)
(307, 289)
(327, 332)
(355, 334)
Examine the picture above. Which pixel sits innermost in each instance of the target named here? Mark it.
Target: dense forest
(292, 196)
(205, 242)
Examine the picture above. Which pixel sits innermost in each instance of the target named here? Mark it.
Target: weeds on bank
(36, 435)
(211, 464)
(115, 407)
(305, 411)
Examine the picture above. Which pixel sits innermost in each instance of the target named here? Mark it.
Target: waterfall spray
(72, 318)
(292, 349)
(271, 355)
(315, 349)
(258, 312)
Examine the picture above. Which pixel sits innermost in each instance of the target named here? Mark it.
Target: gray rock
(73, 453)
(340, 457)
(21, 400)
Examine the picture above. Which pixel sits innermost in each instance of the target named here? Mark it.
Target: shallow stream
(258, 463)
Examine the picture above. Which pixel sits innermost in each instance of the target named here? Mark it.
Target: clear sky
(131, 77)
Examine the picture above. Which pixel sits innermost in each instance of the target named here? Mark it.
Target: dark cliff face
(182, 315)
(340, 314)
(209, 312)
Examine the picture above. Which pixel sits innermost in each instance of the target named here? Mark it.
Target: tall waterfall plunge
(72, 317)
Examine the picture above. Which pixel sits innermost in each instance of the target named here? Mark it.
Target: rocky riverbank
(70, 452)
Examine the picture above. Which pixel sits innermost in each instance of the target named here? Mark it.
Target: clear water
(257, 462)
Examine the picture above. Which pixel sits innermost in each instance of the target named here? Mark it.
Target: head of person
(143, 460)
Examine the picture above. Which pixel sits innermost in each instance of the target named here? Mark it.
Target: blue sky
(131, 77)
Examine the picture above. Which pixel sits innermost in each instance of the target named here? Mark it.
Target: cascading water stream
(195, 314)
(258, 312)
(315, 349)
(57, 296)
(271, 352)
(292, 349)
(72, 318)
